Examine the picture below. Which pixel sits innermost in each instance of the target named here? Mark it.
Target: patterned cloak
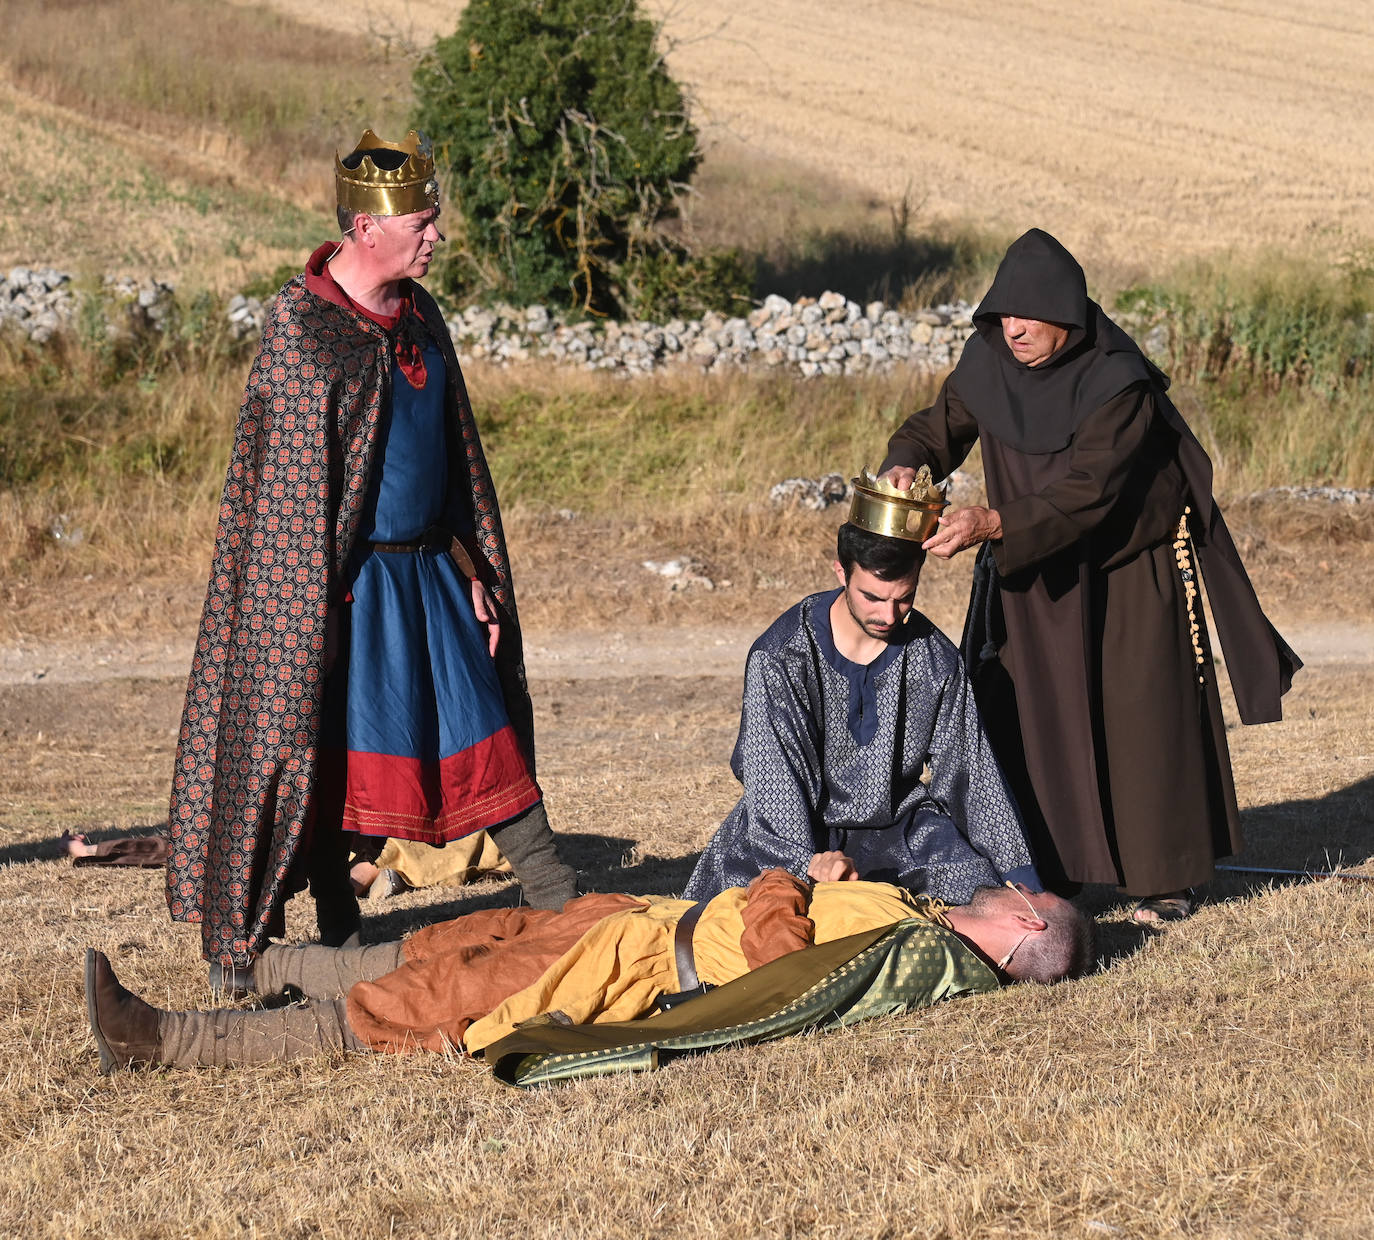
(884, 972)
(303, 451)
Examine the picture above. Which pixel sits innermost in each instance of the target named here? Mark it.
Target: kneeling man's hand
(831, 867)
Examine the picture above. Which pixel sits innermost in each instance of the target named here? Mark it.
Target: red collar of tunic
(409, 354)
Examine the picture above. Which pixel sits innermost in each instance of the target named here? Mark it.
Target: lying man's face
(1014, 899)
(1042, 936)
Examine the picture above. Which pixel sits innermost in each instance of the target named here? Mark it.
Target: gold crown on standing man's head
(388, 191)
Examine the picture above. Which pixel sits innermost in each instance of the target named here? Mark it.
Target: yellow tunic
(617, 970)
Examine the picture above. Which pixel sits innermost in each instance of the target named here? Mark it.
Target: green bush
(668, 283)
(565, 142)
(1283, 325)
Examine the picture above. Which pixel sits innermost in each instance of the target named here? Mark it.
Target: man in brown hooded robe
(1085, 636)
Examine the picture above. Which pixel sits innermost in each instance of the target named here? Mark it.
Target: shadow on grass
(604, 863)
(866, 268)
(1325, 833)
(1306, 838)
(54, 850)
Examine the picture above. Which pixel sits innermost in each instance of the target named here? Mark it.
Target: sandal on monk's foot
(1155, 910)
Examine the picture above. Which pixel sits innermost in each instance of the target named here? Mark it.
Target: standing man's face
(403, 245)
(879, 607)
(1032, 341)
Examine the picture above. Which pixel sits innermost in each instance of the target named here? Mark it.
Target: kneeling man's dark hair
(888, 559)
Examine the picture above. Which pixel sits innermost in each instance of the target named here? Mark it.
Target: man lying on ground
(860, 750)
(147, 852)
(469, 982)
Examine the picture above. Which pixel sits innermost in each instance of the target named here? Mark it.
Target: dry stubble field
(1213, 1080)
(1137, 131)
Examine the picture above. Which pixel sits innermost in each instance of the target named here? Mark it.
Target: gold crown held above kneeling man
(408, 186)
(881, 508)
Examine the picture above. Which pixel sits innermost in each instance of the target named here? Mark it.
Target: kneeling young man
(860, 748)
(469, 982)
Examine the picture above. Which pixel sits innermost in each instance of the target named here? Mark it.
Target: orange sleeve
(775, 920)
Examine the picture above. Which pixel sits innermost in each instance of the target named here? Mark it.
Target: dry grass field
(1141, 133)
(1136, 131)
(1214, 1080)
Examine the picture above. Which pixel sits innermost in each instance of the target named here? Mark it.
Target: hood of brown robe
(1037, 409)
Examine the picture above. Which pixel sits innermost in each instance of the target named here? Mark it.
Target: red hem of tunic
(434, 803)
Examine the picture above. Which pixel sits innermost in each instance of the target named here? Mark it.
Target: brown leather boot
(131, 1033)
(125, 1027)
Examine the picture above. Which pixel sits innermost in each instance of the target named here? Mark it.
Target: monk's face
(879, 607)
(1032, 341)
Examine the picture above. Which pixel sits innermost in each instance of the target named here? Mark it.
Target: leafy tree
(566, 142)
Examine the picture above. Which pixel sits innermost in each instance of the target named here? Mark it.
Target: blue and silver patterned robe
(886, 761)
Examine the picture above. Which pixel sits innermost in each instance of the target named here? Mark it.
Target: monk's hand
(831, 867)
(900, 476)
(484, 606)
(963, 528)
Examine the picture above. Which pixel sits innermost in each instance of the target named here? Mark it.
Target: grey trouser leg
(528, 844)
(323, 972)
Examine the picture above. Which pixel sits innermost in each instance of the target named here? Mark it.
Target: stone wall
(827, 335)
(40, 302)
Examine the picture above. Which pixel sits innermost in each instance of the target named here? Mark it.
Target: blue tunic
(418, 718)
(885, 761)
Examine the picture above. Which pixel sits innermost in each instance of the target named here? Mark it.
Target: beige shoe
(388, 883)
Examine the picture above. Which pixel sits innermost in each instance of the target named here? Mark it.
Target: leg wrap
(323, 972)
(229, 1038)
(528, 844)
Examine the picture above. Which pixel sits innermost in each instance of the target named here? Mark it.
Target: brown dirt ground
(637, 714)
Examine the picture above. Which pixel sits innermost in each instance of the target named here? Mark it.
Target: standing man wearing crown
(860, 751)
(358, 665)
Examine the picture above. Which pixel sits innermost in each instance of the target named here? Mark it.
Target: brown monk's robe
(1116, 753)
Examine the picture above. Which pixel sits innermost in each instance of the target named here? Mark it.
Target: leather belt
(682, 946)
(433, 539)
(690, 985)
(436, 538)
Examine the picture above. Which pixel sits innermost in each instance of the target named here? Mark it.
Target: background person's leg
(528, 844)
